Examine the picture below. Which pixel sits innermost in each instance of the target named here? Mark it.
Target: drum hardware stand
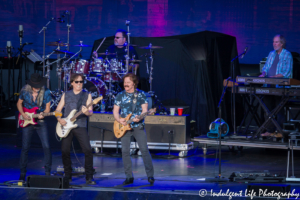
(150, 72)
(69, 26)
(44, 46)
(127, 22)
(66, 68)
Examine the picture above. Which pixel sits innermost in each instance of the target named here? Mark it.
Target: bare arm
(144, 109)
(117, 117)
(88, 111)
(20, 108)
(59, 108)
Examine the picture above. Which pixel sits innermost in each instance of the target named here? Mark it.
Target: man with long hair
(34, 94)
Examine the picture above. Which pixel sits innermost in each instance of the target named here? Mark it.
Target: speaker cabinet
(165, 129)
(104, 121)
(158, 128)
(58, 182)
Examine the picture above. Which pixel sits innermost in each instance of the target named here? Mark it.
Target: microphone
(127, 22)
(245, 50)
(52, 18)
(8, 48)
(21, 33)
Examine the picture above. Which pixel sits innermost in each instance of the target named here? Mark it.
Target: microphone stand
(44, 46)
(220, 178)
(21, 31)
(233, 89)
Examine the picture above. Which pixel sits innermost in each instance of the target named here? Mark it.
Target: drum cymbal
(58, 43)
(63, 52)
(109, 54)
(82, 45)
(131, 45)
(152, 47)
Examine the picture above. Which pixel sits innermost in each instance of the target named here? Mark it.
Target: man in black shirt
(120, 49)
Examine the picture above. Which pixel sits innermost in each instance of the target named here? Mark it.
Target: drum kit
(103, 73)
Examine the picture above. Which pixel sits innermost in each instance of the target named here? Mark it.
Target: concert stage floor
(180, 178)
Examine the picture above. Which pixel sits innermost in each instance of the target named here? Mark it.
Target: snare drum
(112, 77)
(95, 86)
(82, 66)
(98, 66)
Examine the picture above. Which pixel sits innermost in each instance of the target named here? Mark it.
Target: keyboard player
(279, 64)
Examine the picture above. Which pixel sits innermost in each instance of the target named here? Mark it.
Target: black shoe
(22, 177)
(47, 173)
(128, 181)
(151, 180)
(90, 181)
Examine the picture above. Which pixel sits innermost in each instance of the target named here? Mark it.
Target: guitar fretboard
(44, 114)
(139, 117)
(79, 113)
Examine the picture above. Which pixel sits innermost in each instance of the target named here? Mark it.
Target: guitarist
(34, 94)
(134, 101)
(77, 99)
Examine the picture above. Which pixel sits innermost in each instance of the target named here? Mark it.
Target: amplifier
(160, 129)
(104, 121)
(40, 181)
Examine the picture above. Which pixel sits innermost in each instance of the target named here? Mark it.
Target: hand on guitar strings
(62, 121)
(41, 116)
(123, 121)
(26, 117)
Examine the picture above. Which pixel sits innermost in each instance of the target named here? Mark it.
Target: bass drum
(95, 86)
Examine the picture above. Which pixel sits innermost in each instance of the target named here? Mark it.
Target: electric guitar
(120, 130)
(63, 131)
(32, 114)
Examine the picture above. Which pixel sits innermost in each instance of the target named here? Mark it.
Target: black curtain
(189, 71)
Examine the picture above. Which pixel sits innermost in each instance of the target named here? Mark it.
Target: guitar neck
(44, 114)
(139, 117)
(79, 113)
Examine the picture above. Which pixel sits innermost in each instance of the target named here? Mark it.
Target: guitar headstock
(95, 101)
(152, 111)
(57, 114)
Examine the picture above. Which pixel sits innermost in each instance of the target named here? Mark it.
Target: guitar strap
(134, 100)
(79, 102)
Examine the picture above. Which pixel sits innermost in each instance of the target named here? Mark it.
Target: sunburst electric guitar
(63, 131)
(120, 130)
(32, 114)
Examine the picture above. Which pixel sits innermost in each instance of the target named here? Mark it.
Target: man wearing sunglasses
(119, 48)
(77, 99)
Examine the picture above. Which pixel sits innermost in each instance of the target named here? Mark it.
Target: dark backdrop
(253, 23)
(189, 71)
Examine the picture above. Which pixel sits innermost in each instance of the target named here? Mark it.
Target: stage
(179, 178)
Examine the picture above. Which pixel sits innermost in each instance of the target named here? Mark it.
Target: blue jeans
(27, 132)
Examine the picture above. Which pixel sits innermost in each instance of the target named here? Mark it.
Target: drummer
(119, 48)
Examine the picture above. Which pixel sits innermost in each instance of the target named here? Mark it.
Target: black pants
(84, 140)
